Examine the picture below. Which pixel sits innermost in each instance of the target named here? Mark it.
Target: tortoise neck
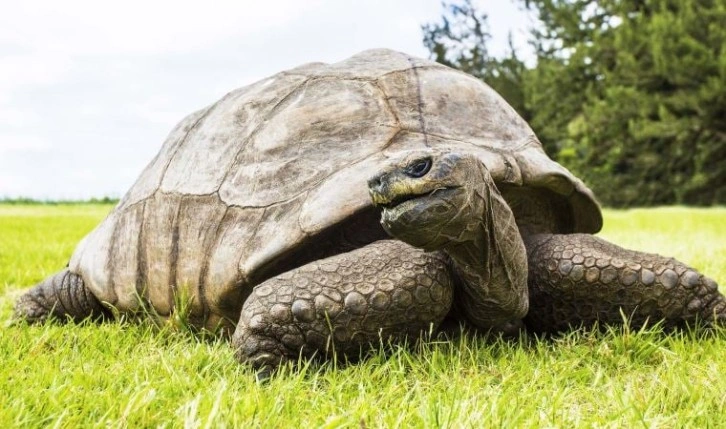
(470, 252)
(490, 264)
(469, 261)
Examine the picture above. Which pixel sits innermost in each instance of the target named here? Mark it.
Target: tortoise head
(430, 200)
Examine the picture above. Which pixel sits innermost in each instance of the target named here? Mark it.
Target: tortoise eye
(418, 168)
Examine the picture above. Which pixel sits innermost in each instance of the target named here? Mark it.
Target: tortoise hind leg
(61, 296)
(578, 279)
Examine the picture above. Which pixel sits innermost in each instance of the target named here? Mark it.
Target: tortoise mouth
(417, 219)
(406, 200)
(400, 199)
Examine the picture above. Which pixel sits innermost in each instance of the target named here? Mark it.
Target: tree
(646, 121)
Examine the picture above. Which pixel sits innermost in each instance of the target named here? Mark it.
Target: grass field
(133, 374)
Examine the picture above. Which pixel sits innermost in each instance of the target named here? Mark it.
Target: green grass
(133, 374)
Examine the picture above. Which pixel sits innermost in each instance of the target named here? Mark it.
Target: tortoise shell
(273, 175)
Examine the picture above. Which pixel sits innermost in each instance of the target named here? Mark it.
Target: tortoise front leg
(339, 306)
(578, 279)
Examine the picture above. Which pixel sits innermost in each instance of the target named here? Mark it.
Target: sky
(90, 89)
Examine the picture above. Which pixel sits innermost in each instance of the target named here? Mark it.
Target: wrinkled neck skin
(470, 257)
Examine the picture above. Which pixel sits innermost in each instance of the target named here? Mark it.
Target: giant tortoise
(335, 205)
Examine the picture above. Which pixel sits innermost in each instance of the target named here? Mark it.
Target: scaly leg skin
(578, 279)
(62, 296)
(342, 305)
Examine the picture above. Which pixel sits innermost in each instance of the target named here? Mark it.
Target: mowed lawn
(135, 374)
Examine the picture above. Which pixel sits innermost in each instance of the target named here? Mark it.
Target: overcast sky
(89, 89)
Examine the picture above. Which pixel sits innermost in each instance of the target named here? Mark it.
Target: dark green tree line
(628, 94)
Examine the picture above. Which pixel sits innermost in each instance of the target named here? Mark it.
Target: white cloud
(22, 143)
(15, 118)
(139, 26)
(19, 71)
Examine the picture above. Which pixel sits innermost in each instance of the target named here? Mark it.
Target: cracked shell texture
(240, 182)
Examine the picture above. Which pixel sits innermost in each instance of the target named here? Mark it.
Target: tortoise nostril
(377, 182)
